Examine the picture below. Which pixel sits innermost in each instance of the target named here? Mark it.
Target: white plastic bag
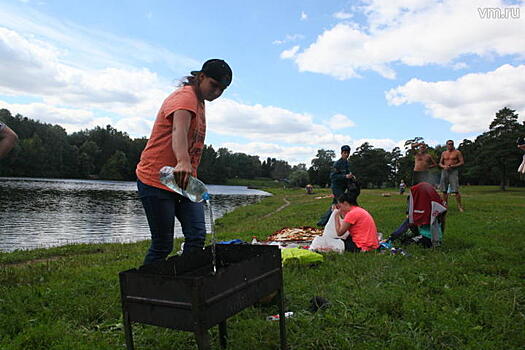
(330, 241)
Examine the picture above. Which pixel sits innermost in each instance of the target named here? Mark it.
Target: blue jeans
(161, 208)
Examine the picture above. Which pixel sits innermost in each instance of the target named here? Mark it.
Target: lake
(39, 213)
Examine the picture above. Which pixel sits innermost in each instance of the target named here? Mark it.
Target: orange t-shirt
(159, 151)
(363, 228)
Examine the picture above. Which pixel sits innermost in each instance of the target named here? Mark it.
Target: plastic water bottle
(196, 190)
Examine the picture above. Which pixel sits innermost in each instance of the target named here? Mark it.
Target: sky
(307, 74)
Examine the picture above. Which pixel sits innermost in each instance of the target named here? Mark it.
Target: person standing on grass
(521, 145)
(340, 179)
(402, 187)
(358, 222)
(177, 140)
(341, 174)
(8, 139)
(450, 161)
(423, 162)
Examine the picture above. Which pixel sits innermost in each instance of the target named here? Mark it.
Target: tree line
(46, 150)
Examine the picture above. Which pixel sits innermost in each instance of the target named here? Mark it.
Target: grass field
(467, 294)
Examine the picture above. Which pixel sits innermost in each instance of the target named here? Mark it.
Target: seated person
(426, 217)
(358, 222)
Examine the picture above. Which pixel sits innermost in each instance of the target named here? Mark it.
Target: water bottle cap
(206, 196)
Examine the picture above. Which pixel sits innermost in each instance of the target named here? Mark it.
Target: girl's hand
(182, 172)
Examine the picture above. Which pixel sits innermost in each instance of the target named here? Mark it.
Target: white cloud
(343, 15)
(470, 102)
(304, 16)
(75, 119)
(265, 123)
(50, 114)
(288, 38)
(69, 118)
(135, 127)
(279, 133)
(34, 68)
(415, 33)
(88, 47)
(386, 144)
(340, 121)
(292, 154)
(270, 124)
(303, 153)
(291, 53)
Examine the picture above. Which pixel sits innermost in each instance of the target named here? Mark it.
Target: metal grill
(183, 293)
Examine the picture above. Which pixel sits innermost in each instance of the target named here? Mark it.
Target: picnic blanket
(295, 234)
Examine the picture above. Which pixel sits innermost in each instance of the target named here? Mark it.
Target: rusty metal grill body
(182, 293)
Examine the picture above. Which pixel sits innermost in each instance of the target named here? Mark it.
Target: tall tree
(319, 172)
(497, 147)
(116, 167)
(370, 165)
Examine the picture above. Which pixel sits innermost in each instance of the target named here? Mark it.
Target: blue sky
(307, 74)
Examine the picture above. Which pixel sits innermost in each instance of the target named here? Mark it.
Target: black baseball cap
(520, 141)
(217, 69)
(345, 148)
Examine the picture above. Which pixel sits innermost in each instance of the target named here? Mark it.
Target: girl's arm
(179, 144)
(341, 226)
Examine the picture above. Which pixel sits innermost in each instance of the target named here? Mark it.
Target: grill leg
(223, 334)
(282, 321)
(128, 332)
(203, 339)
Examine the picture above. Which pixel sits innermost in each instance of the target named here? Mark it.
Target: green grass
(468, 294)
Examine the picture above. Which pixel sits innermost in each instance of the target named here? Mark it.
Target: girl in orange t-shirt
(177, 140)
(358, 222)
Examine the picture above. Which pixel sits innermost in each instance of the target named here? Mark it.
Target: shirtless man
(8, 139)
(450, 160)
(423, 162)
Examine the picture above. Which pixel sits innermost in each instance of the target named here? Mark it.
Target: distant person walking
(450, 161)
(422, 163)
(402, 187)
(8, 139)
(177, 140)
(521, 145)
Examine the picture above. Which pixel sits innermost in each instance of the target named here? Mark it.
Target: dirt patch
(286, 203)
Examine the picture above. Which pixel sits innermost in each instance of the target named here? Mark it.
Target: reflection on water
(37, 213)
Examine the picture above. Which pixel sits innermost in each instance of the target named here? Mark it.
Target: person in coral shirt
(177, 140)
(358, 222)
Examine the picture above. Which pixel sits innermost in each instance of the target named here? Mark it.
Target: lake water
(36, 213)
